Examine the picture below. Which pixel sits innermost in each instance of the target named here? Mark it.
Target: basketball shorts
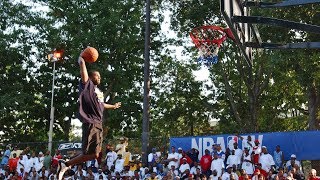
(91, 138)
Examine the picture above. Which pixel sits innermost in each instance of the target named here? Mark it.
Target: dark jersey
(91, 109)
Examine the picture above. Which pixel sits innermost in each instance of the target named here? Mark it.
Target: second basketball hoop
(208, 40)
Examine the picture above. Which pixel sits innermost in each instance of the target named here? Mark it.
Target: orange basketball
(90, 54)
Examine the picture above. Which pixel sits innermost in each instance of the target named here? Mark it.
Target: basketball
(90, 54)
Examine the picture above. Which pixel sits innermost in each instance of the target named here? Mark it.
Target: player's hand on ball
(80, 60)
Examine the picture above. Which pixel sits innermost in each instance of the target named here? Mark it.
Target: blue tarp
(304, 144)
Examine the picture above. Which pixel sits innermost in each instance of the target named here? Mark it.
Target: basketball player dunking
(90, 113)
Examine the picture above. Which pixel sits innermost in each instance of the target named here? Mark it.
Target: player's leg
(91, 147)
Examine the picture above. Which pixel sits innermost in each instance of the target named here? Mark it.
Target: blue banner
(304, 144)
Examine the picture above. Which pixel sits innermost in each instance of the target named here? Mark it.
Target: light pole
(54, 57)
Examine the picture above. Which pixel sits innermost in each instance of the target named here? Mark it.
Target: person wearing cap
(256, 150)
(173, 158)
(278, 157)
(217, 165)
(28, 163)
(226, 175)
(266, 159)
(293, 160)
(247, 163)
(39, 161)
(184, 166)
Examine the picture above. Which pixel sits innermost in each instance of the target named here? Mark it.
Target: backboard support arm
(277, 22)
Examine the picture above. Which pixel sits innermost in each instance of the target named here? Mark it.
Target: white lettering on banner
(206, 143)
(70, 146)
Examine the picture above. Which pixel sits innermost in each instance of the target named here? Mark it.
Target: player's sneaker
(62, 168)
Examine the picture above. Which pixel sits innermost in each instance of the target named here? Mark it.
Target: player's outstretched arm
(83, 70)
(112, 106)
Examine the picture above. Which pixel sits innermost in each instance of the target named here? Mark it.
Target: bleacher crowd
(253, 162)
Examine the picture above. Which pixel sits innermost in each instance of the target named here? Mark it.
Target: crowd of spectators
(252, 162)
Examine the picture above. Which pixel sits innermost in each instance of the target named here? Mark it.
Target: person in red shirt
(13, 163)
(313, 175)
(184, 155)
(55, 158)
(259, 170)
(205, 163)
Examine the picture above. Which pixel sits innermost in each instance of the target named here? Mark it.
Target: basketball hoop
(208, 40)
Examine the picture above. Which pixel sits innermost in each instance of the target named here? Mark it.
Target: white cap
(179, 148)
(293, 156)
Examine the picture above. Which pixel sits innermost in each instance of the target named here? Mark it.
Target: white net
(206, 50)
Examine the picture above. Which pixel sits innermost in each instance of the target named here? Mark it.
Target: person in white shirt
(173, 158)
(80, 172)
(247, 162)
(233, 159)
(99, 174)
(226, 175)
(39, 161)
(154, 156)
(111, 158)
(237, 151)
(217, 165)
(247, 142)
(266, 159)
(184, 166)
(193, 169)
(28, 164)
(119, 164)
(293, 160)
(21, 163)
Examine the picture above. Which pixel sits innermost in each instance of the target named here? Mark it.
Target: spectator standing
(266, 159)
(205, 163)
(55, 159)
(119, 164)
(292, 162)
(233, 159)
(247, 163)
(256, 150)
(184, 166)
(5, 157)
(13, 163)
(220, 152)
(278, 157)
(47, 160)
(39, 162)
(121, 146)
(127, 157)
(111, 157)
(173, 158)
(21, 163)
(193, 154)
(15, 150)
(217, 165)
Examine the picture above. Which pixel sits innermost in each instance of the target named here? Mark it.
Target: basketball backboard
(242, 31)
